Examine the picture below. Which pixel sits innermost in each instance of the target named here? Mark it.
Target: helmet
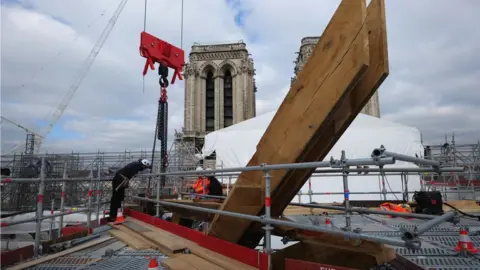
(199, 168)
(208, 173)
(145, 162)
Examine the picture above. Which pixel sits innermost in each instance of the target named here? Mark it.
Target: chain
(162, 120)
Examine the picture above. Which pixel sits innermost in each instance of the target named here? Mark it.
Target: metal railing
(378, 158)
(410, 238)
(39, 217)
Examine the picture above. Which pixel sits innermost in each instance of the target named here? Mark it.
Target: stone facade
(219, 88)
(308, 44)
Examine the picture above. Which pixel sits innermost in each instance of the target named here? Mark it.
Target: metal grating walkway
(437, 244)
(123, 263)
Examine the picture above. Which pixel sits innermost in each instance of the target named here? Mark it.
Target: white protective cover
(30, 227)
(235, 145)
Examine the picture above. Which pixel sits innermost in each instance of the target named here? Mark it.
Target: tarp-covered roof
(234, 146)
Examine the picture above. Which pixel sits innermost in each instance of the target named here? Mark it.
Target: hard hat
(199, 168)
(146, 162)
(208, 173)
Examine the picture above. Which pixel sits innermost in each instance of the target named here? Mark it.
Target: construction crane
(77, 80)
(32, 140)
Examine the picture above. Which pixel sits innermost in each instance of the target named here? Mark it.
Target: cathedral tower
(219, 89)
(308, 44)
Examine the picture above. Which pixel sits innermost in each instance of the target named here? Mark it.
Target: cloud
(434, 64)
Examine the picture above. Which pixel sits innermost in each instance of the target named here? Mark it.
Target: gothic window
(210, 103)
(227, 99)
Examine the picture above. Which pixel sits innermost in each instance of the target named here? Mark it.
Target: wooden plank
(135, 235)
(340, 58)
(313, 252)
(60, 254)
(165, 241)
(218, 259)
(199, 262)
(188, 261)
(463, 205)
(349, 108)
(176, 263)
(130, 240)
(363, 249)
(162, 239)
(213, 257)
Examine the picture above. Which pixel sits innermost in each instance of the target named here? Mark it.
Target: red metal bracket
(242, 254)
(159, 51)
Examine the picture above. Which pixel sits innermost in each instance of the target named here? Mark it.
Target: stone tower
(308, 44)
(219, 89)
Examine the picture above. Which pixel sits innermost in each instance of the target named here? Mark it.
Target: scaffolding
(379, 158)
(451, 154)
(22, 196)
(183, 157)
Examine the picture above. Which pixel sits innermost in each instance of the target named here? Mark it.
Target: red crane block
(159, 51)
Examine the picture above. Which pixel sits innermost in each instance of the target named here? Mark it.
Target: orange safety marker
(153, 265)
(120, 218)
(464, 243)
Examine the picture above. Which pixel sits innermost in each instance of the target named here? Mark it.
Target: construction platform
(132, 244)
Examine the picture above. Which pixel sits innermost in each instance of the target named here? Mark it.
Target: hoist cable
(181, 29)
(161, 126)
(145, 17)
(144, 30)
(153, 155)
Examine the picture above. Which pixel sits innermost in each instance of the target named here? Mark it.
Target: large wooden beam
(312, 251)
(348, 109)
(339, 60)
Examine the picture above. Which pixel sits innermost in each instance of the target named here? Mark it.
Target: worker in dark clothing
(120, 183)
(215, 187)
(209, 182)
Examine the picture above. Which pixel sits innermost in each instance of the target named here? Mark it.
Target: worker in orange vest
(400, 208)
(207, 184)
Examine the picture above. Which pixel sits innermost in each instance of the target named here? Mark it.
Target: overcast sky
(434, 51)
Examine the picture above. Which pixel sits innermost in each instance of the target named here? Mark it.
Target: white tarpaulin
(234, 146)
(30, 227)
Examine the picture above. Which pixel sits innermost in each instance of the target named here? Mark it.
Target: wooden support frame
(308, 112)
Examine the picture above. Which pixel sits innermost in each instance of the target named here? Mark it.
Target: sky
(434, 54)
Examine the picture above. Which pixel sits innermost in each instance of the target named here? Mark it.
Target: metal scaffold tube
(395, 170)
(382, 152)
(268, 202)
(41, 188)
(346, 195)
(253, 168)
(291, 166)
(48, 180)
(60, 214)
(89, 203)
(62, 197)
(422, 228)
(366, 211)
(410, 243)
(97, 194)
